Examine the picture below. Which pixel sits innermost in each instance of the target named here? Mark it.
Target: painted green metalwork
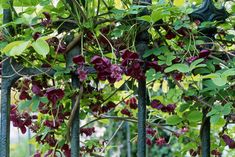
(75, 128)
(142, 41)
(207, 12)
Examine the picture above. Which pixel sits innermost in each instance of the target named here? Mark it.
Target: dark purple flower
(23, 129)
(170, 108)
(79, 60)
(204, 53)
(111, 105)
(132, 102)
(37, 90)
(150, 131)
(66, 150)
(54, 41)
(37, 154)
(48, 153)
(24, 95)
(170, 35)
(216, 152)
(191, 59)
(46, 22)
(82, 75)
(54, 95)
(47, 15)
(53, 124)
(128, 56)
(106, 70)
(160, 141)
(148, 141)
(61, 48)
(116, 73)
(157, 104)
(229, 142)
(154, 65)
(126, 112)
(87, 131)
(36, 35)
(178, 76)
(100, 63)
(132, 65)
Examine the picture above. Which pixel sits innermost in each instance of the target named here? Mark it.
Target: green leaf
(194, 116)
(219, 81)
(24, 104)
(156, 15)
(35, 103)
(156, 51)
(227, 73)
(173, 120)
(196, 62)
(184, 107)
(41, 47)
(226, 109)
(44, 100)
(152, 75)
(212, 112)
(145, 18)
(16, 48)
(214, 119)
(179, 67)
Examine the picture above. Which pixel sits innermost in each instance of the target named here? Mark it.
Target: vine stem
(74, 110)
(127, 119)
(119, 127)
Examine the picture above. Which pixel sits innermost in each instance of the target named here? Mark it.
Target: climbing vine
(110, 47)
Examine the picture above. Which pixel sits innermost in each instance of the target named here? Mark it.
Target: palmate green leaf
(219, 81)
(24, 104)
(16, 48)
(41, 47)
(194, 116)
(156, 51)
(214, 119)
(173, 120)
(196, 64)
(152, 75)
(229, 72)
(146, 18)
(25, 3)
(35, 103)
(179, 67)
(227, 108)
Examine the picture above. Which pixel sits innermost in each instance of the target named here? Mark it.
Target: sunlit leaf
(41, 47)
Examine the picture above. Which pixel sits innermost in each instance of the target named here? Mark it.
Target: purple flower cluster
(20, 120)
(106, 70)
(170, 108)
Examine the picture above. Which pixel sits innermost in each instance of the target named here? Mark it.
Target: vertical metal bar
(142, 41)
(5, 95)
(75, 130)
(141, 148)
(205, 135)
(5, 112)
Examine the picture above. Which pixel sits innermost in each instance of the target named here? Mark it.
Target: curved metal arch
(208, 12)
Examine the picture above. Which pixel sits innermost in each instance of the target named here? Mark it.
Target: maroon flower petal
(54, 95)
(79, 60)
